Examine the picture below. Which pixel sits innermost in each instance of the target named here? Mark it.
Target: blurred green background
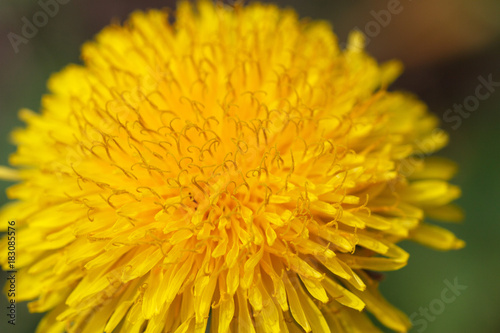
(445, 46)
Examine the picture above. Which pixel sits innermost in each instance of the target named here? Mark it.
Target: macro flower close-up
(223, 168)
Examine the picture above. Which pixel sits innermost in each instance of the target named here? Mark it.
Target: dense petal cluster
(235, 165)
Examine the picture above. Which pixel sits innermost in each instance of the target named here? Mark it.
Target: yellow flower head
(236, 165)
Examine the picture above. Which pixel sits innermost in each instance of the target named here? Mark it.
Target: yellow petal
(245, 323)
(267, 317)
(431, 193)
(226, 313)
(342, 295)
(9, 174)
(376, 304)
(313, 314)
(436, 237)
(315, 288)
(296, 308)
(446, 213)
(436, 168)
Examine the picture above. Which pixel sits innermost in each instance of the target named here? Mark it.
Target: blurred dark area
(449, 49)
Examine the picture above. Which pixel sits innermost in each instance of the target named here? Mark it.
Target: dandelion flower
(236, 165)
